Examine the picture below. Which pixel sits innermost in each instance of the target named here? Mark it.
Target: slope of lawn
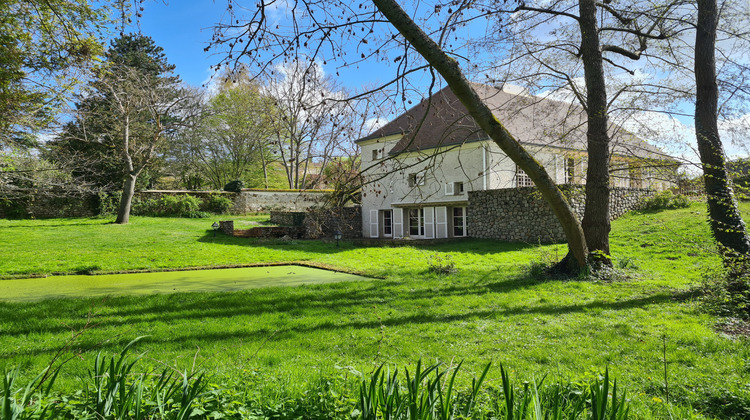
(495, 307)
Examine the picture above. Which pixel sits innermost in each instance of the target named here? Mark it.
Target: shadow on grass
(328, 245)
(299, 310)
(39, 224)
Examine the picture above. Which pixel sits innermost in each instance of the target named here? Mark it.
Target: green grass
(492, 309)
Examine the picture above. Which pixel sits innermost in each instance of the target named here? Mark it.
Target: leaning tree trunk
(596, 224)
(448, 68)
(726, 223)
(128, 190)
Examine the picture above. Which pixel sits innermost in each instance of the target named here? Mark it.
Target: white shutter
(429, 222)
(398, 223)
(449, 188)
(441, 222)
(373, 223)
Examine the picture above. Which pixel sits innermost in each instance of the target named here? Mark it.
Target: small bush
(13, 209)
(439, 264)
(666, 200)
(217, 204)
(726, 291)
(170, 206)
(234, 186)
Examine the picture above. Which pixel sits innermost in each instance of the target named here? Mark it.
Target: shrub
(170, 206)
(108, 202)
(13, 209)
(438, 264)
(726, 291)
(666, 200)
(217, 204)
(234, 186)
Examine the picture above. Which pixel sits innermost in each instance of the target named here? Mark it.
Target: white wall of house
(432, 181)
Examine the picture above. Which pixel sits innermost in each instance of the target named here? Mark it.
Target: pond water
(211, 280)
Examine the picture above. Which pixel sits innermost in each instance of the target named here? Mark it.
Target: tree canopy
(46, 44)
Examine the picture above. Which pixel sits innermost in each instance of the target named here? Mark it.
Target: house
(420, 168)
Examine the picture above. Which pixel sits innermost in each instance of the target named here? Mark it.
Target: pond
(210, 280)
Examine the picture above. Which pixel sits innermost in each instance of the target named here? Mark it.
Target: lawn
(493, 308)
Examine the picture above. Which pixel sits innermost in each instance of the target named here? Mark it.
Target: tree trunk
(596, 224)
(128, 189)
(726, 223)
(448, 68)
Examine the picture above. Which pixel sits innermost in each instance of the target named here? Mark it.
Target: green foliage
(725, 291)
(122, 117)
(13, 209)
(234, 186)
(217, 204)
(666, 200)
(742, 187)
(279, 340)
(46, 45)
(441, 264)
(170, 206)
(108, 201)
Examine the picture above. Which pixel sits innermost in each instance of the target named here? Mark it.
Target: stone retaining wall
(261, 201)
(288, 218)
(521, 215)
(48, 205)
(294, 232)
(323, 223)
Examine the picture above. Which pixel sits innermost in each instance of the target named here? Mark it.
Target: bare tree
(312, 121)
(130, 105)
(382, 30)
(560, 45)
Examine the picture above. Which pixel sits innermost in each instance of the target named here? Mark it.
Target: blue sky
(184, 28)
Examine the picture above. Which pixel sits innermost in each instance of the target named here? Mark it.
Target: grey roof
(442, 120)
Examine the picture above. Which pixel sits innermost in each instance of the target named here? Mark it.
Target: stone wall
(324, 222)
(521, 215)
(49, 204)
(288, 218)
(203, 195)
(294, 232)
(261, 201)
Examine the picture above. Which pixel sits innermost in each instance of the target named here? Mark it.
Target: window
(459, 221)
(387, 222)
(454, 188)
(522, 180)
(416, 222)
(416, 179)
(570, 170)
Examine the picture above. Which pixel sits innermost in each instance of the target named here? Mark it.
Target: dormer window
(377, 154)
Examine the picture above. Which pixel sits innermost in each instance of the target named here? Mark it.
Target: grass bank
(492, 309)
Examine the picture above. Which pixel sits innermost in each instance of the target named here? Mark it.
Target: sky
(184, 29)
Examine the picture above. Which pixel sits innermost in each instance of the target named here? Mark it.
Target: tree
(238, 134)
(551, 44)
(326, 22)
(129, 107)
(726, 222)
(311, 121)
(45, 45)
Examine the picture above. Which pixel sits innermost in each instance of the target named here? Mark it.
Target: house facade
(419, 168)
